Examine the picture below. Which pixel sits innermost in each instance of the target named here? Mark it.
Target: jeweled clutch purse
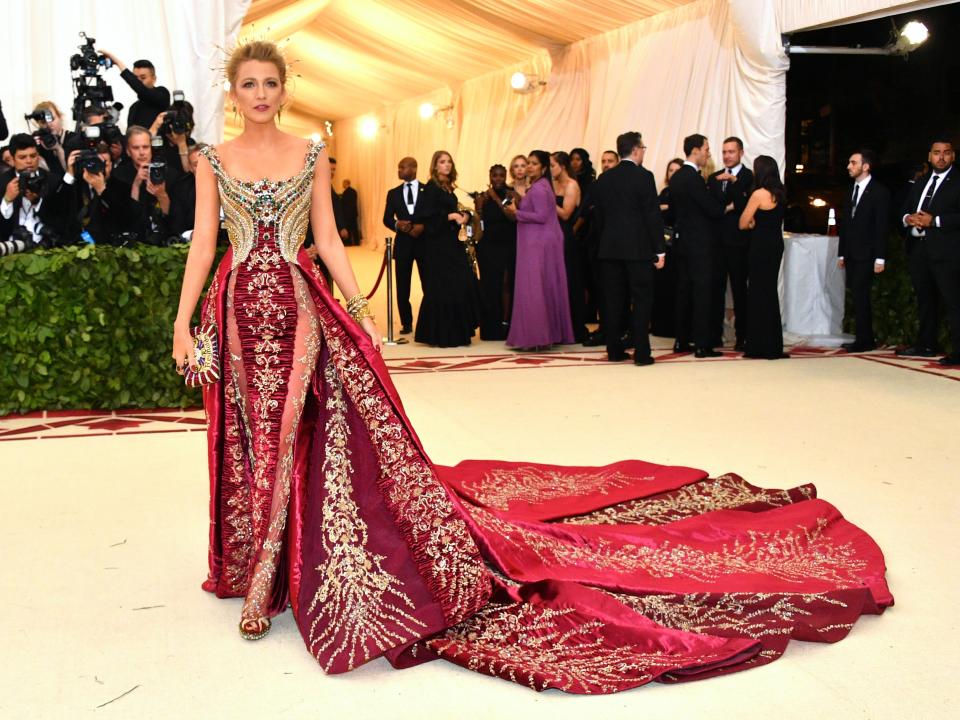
(206, 349)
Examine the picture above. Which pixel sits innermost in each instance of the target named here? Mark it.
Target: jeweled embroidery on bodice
(269, 211)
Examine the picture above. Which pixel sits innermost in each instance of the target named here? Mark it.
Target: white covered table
(812, 288)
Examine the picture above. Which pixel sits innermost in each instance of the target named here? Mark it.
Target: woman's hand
(510, 211)
(370, 328)
(183, 349)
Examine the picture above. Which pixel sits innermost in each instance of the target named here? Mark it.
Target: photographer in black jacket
(35, 206)
(102, 207)
(152, 99)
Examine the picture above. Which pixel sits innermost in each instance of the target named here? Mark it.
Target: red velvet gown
(586, 579)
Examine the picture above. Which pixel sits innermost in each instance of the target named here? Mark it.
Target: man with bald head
(402, 215)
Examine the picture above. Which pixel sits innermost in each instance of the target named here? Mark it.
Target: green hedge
(90, 327)
(894, 304)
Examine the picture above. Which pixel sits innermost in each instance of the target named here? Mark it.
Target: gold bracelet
(358, 307)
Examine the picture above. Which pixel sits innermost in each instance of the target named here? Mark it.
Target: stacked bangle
(358, 307)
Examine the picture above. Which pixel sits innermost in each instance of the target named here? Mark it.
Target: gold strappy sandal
(254, 628)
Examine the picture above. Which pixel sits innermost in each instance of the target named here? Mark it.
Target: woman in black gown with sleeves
(764, 216)
(449, 311)
(662, 316)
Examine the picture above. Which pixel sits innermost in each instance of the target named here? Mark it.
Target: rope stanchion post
(388, 263)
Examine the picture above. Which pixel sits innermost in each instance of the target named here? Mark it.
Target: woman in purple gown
(541, 311)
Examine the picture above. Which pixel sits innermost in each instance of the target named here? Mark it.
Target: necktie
(929, 196)
(723, 186)
(856, 197)
(409, 193)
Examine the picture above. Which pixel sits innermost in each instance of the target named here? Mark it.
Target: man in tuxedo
(697, 213)
(350, 207)
(864, 221)
(32, 198)
(630, 245)
(404, 206)
(732, 187)
(337, 203)
(931, 217)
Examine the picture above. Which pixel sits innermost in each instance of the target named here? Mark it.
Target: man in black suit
(732, 187)
(864, 221)
(630, 245)
(350, 207)
(32, 198)
(102, 206)
(697, 212)
(404, 204)
(932, 218)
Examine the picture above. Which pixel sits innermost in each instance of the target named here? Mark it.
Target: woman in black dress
(662, 316)
(567, 192)
(449, 312)
(496, 256)
(584, 173)
(764, 216)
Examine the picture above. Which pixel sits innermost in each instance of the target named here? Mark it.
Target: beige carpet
(105, 544)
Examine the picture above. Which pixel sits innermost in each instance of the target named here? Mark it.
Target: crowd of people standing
(561, 247)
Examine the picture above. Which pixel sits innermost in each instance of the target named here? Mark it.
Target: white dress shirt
(414, 187)
(28, 215)
(917, 232)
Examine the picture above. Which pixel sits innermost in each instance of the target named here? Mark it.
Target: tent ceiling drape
(362, 49)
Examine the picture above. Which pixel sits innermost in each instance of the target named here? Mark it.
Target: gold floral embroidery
(443, 549)
(752, 615)
(791, 555)
(725, 491)
(518, 641)
(358, 602)
(498, 487)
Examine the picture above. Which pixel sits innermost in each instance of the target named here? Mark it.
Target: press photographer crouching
(103, 211)
(35, 209)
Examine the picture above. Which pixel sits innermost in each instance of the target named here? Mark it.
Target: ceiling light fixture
(523, 83)
(369, 126)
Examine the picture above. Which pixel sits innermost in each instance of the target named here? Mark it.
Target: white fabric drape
(810, 14)
(180, 37)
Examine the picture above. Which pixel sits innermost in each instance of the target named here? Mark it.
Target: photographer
(165, 200)
(52, 138)
(35, 208)
(151, 98)
(174, 126)
(102, 206)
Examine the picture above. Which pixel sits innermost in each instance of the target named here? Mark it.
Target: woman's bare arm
(747, 218)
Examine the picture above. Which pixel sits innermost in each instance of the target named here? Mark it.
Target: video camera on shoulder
(158, 166)
(45, 137)
(178, 119)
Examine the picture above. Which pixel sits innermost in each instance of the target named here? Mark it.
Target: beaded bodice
(265, 211)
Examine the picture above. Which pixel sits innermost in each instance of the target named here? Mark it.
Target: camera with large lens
(34, 181)
(89, 159)
(90, 88)
(158, 166)
(44, 135)
(178, 119)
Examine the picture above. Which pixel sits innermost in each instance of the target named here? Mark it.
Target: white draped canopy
(664, 67)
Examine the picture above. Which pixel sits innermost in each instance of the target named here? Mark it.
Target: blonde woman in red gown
(322, 499)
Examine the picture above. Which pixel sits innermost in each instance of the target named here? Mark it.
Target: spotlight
(902, 42)
(315, 137)
(427, 111)
(912, 36)
(818, 202)
(523, 83)
(369, 127)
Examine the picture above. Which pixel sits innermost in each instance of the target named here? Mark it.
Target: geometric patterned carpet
(90, 423)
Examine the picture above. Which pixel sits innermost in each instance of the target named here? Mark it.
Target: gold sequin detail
(498, 487)
(282, 204)
(359, 601)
